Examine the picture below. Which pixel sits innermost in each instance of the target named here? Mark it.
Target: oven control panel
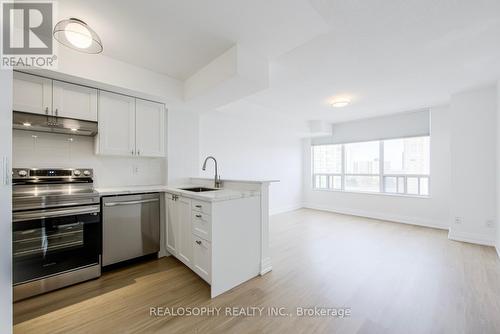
(28, 173)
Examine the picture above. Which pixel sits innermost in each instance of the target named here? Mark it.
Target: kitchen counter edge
(212, 196)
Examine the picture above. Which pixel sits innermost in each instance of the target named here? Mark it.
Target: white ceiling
(178, 37)
(387, 55)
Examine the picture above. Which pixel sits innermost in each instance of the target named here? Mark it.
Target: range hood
(44, 123)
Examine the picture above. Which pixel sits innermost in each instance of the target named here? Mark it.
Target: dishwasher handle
(132, 202)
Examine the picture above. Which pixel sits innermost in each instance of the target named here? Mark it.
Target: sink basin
(199, 189)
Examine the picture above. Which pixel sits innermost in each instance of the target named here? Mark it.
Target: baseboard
(379, 216)
(471, 238)
(265, 266)
(286, 209)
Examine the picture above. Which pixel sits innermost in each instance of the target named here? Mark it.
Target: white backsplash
(39, 149)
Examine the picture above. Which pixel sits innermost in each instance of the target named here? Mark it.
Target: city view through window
(396, 166)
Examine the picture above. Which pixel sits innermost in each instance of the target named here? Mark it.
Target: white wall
(183, 142)
(431, 211)
(5, 204)
(252, 146)
(56, 150)
(473, 164)
(109, 73)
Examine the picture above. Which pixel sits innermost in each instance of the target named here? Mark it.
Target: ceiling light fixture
(77, 35)
(340, 103)
(27, 124)
(74, 130)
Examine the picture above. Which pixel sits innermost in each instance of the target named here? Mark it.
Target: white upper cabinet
(116, 124)
(74, 101)
(130, 126)
(127, 126)
(32, 94)
(40, 95)
(150, 128)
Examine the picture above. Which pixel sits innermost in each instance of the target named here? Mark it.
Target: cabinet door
(185, 246)
(32, 94)
(201, 257)
(150, 128)
(172, 225)
(74, 101)
(116, 124)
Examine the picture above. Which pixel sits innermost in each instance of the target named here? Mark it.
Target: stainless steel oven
(56, 229)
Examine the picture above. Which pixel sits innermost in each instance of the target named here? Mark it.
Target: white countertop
(109, 191)
(209, 196)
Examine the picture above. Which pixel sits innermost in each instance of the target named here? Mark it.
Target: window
(327, 160)
(362, 163)
(395, 166)
(407, 161)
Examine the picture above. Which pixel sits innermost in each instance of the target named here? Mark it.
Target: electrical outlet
(490, 223)
(458, 220)
(135, 170)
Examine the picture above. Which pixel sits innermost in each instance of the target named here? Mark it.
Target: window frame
(381, 175)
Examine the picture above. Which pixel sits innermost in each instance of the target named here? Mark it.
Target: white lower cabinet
(201, 225)
(185, 248)
(183, 239)
(172, 229)
(218, 240)
(201, 257)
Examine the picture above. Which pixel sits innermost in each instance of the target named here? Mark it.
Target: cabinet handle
(132, 152)
(198, 242)
(198, 216)
(57, 112)
(198, 206)
(46, 110)
(138, 152)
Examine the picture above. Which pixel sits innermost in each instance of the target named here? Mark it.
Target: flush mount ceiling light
(77, 35)
(340, 103)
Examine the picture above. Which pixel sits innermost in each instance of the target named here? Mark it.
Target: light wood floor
(395, 278)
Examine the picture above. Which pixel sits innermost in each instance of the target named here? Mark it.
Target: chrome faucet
(217, 183)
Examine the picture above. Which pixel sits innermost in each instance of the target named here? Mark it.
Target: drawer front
(202, 257)
(201, 225)
(200, 206)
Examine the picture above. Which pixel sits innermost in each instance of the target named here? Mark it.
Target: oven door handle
(43, 214)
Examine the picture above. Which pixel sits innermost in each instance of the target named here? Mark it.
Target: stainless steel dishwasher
(131, 227)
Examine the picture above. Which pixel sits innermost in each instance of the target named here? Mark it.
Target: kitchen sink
(199, 189)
